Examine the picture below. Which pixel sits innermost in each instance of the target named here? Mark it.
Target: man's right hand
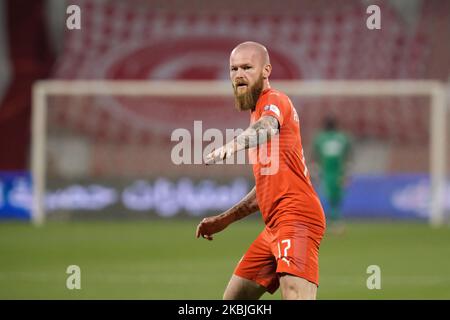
(208, 226)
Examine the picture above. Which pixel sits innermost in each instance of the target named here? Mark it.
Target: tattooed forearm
(258, 133)
(246, 206)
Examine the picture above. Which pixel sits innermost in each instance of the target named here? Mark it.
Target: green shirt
(332, 149)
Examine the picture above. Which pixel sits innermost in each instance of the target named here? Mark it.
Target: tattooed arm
(246, 206)
(208, 226)
(258, 133)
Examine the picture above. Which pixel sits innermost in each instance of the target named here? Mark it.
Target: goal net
(134, 149)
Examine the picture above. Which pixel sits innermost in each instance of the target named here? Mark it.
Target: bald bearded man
(286, 252)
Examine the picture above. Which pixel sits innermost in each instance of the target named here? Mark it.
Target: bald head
(254, 49)
(249, 59)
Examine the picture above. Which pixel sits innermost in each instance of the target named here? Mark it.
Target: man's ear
(267, 71)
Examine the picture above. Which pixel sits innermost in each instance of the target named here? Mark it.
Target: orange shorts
(291, 248)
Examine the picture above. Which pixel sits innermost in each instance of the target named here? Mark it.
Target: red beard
(247, 100)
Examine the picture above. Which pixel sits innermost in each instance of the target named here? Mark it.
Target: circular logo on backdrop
(190, 58)
(180, 59)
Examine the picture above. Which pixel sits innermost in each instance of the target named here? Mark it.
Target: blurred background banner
(404, 196)
(15, 195)
(399, 197)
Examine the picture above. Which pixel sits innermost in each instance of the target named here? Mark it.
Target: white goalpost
(436, 91)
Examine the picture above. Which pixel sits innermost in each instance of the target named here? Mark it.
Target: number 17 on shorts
(284, 245)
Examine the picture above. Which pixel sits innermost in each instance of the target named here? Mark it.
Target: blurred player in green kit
(332, 152)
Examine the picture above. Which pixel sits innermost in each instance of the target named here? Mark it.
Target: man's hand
(208, 226)
(258, 133)
(222, 153)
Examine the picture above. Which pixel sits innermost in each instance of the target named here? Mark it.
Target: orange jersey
(283, 187)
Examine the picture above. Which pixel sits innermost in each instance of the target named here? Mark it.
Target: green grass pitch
(163, 260)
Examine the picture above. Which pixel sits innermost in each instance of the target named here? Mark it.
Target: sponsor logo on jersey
(273, 108)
